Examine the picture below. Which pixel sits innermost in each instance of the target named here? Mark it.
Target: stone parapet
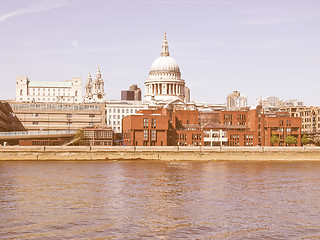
(170, 153)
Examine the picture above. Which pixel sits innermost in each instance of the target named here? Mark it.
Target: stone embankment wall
(100, 153)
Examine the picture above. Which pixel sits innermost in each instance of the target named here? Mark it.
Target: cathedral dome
(164, 63)
(164, 82)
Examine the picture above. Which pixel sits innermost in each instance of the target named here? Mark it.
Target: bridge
(6, 136)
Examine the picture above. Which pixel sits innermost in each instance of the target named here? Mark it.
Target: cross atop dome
(165, 47)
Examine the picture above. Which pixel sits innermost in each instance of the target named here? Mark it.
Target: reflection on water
(159, 200)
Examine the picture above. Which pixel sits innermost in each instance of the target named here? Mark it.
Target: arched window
(76, 93)
(21, 92)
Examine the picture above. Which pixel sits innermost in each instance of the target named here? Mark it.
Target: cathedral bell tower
(94, 90)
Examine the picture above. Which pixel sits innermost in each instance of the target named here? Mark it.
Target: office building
(69, 91)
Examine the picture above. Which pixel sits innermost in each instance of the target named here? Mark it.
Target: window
(154, 123)
(153, 135)
(20, 92)
(145, 122)
(145, 134)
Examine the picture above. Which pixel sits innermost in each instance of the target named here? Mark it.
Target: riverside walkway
(100, 153)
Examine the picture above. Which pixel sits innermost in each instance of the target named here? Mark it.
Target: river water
(159, 200)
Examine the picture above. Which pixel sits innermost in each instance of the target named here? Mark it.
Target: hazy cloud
(224, 2)
(74, 43)
(36, 7)
(273, 16)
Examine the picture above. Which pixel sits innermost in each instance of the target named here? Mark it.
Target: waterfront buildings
(69, 91)
(236, 100)
(169, 126)
(59, 116)
(256, 127)
(165, 90)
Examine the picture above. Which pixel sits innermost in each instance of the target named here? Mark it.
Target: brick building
(146, 128)
(96, 136)
(256, 127)
(282, 126)
(162, 127)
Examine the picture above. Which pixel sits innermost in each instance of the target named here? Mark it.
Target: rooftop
(44, 84)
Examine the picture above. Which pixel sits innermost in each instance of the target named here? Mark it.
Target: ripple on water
(159, 200)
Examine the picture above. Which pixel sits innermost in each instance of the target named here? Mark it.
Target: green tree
(304, 140)
(291, 140)
(274, 139)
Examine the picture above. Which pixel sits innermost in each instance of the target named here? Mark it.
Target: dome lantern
(165, 47)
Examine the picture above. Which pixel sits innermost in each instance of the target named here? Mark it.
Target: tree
(291, 140)
(274, 139)
(304, 140)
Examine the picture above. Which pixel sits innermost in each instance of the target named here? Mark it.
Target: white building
(116, 110)
(214, 135)
(69, 91)
(94, 90)
(165, 83)
(236, 100)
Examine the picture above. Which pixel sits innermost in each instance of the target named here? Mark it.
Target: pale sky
(259, 47)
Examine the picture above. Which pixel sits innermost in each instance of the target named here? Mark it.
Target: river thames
(159, 200)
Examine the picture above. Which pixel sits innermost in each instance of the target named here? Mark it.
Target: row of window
(49, 89)
(196, 136)
(111, 123)
(153, 135)
(214, 135)
(146, 123)
(114, 110)
(281, 122)
(71, 107)
(184, 143)
(50, 100)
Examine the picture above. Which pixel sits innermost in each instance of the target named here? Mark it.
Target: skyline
(258, 48)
